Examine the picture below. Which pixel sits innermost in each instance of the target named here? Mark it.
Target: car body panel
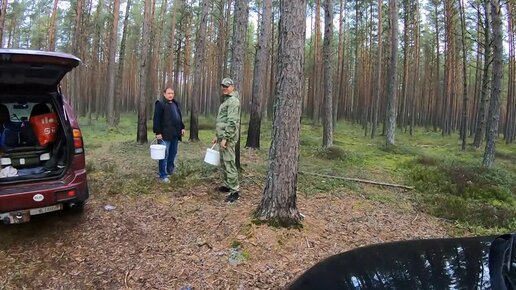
(20, 67)
(453, 263)
(33, 76)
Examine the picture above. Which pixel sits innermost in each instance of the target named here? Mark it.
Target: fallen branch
(360, 180)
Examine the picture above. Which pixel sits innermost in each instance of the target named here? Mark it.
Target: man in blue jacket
(169, 128)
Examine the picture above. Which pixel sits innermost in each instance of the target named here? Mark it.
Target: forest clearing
(365, 122)
(137, 233)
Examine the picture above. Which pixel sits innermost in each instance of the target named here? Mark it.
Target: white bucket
(157, 151)
(212, 156)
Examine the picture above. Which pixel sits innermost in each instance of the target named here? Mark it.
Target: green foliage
(465, 192)
(333, 153)
(311, 185)
(309, 140)
(401, 150)
(236, 244)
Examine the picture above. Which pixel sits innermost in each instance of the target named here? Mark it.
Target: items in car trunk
(20, 159)
(45, 127)
(17, 134)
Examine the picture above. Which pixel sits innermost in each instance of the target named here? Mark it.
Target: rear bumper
(42, 194)
(21, 216)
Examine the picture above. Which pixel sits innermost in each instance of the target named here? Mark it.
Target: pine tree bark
(510, 116)
(317, 69)
(94, 105)
(111, 73)
(484, 98)
(464, 123)
(450, 63)
(392, 75)
(438, 107)
(339, 88)
(405, 82)
(260, 77)
(52, 28)
(494, 103)
(185, 84)
(328, 75)
(238, 57)
(222, 40)
(170, 53)
(141, 136)
(278, 204)
(378, 86)
(200, 47)
(3, 11)
(416, 84)
(76, 73)
(121, 64)
(478, 75)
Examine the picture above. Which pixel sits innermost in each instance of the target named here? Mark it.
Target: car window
(19, 112)
(22, 112)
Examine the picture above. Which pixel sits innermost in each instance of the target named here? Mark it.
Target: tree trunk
(392, 75)
(52, 28)
(494, 103)
(97, 69)
(161, 44)
(222, 40)
(438, 107)
(416, 84)
(317, 69)
(405, 82)
(339, 88)
(328, 75)
(187, 58)
(113, 44)
(170, 49)
(478, 74)
(260, 77)
(464, 123)
(121, 60)
(200, 47)
(141, 136)
(238, 56)
(484, 99)
(76, 73)
(278, 204)
(378, 73)
(3, 11)
(510, 117)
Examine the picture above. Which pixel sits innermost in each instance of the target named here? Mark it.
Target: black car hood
(19, 67)
(455, 263)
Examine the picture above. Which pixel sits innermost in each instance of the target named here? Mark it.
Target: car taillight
(64, 195)
(77, 141)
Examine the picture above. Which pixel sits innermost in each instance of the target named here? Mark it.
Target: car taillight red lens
(63, 195)
(77, 141)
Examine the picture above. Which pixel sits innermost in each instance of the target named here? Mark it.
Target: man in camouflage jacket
(228, 122)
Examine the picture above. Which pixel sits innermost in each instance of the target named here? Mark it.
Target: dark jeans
(166, 166)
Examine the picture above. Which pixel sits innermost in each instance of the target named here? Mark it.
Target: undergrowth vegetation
(450, 183)
(465, 191)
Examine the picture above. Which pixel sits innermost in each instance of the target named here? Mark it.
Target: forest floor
(136, 233)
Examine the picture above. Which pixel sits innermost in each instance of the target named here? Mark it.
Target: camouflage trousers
(229, 169)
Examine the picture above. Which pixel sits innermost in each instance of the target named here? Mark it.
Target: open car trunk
(35, 141)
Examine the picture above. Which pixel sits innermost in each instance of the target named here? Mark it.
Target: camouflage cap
(227, 82)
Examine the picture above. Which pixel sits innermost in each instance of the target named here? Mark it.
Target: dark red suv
(41, 147)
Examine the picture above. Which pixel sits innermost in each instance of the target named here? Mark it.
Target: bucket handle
(213, 145)
(156, 141)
